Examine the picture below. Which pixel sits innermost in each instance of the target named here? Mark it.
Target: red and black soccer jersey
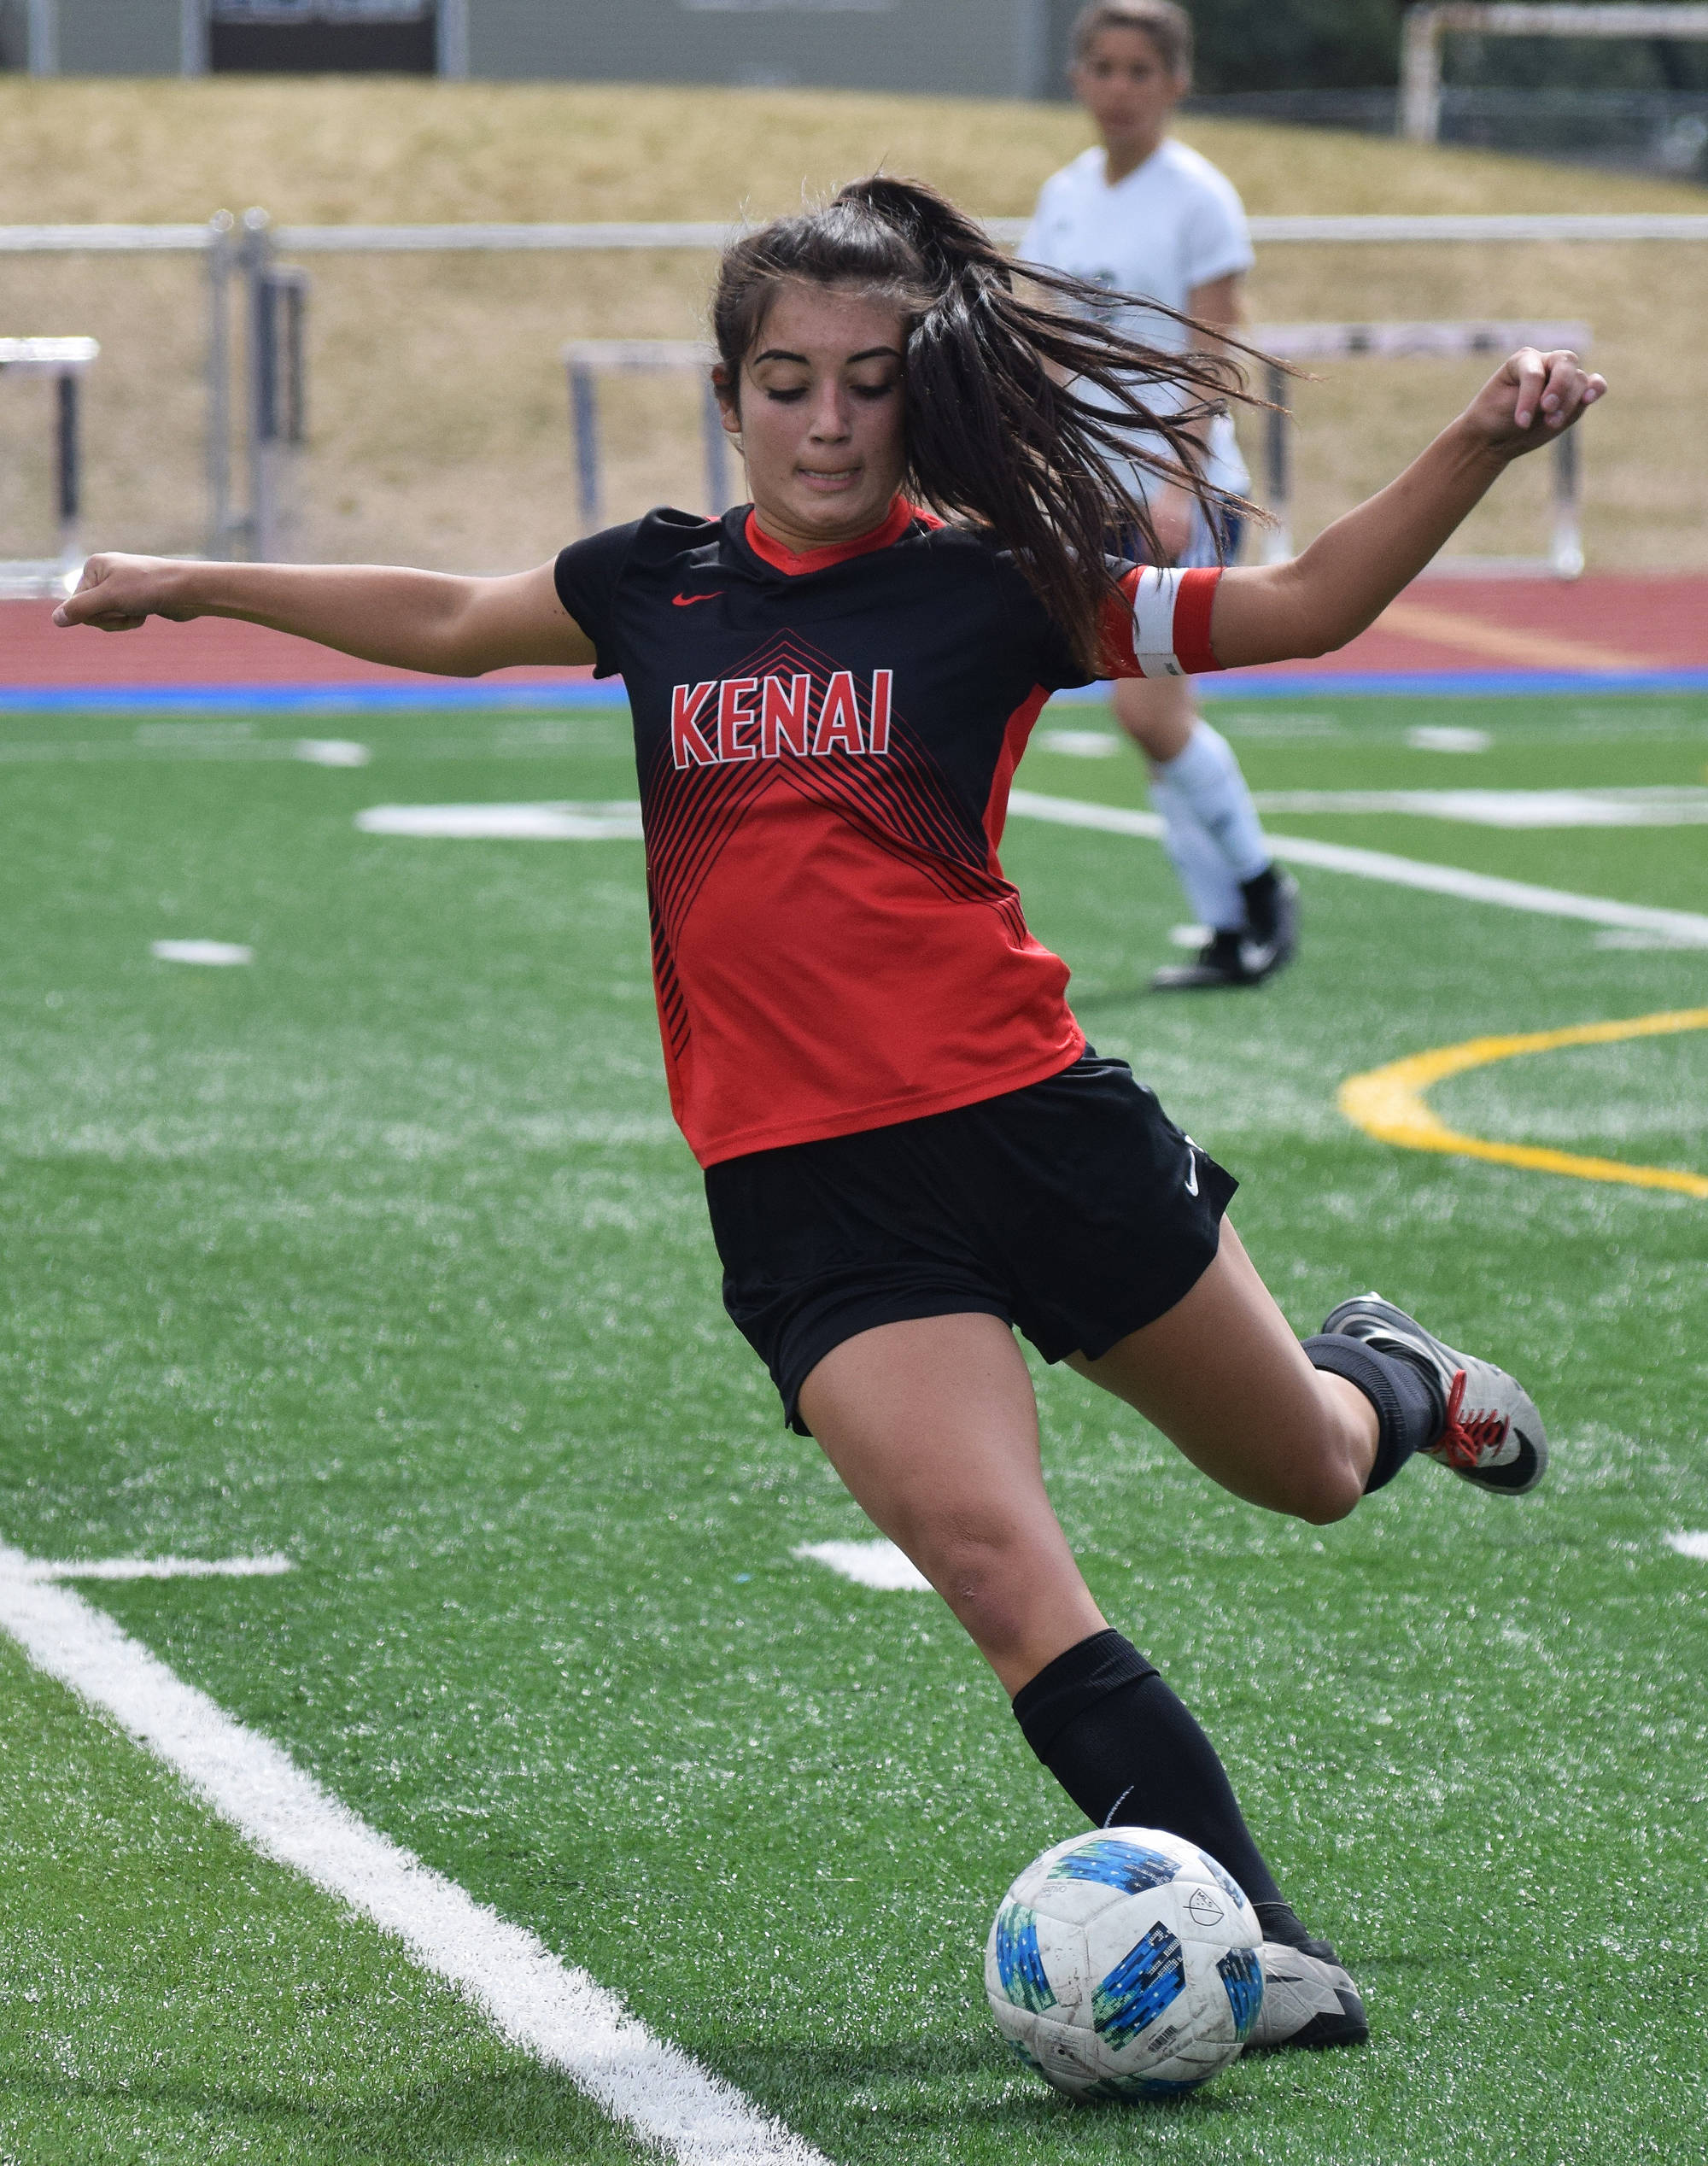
(825, 744)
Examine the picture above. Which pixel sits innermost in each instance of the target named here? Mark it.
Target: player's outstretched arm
(414, 620)
(1354, 568)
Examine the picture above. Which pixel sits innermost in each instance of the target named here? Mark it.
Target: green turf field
(381, 1252)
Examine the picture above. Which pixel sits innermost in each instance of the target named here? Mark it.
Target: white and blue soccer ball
(1124, 1965)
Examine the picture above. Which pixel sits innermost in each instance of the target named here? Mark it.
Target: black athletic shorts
(1074, 1209)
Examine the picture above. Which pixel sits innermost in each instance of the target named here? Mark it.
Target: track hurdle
(274, 316)
(278, 411)
(1338, 341)
(67, 361)
(588, 359)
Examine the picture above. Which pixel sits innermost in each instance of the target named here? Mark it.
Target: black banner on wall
(323, 36)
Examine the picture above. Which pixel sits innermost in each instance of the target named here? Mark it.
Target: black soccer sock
(1410, 1411)
(1126, 1751)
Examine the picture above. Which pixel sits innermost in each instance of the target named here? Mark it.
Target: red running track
(211, 650)
(1604, 624)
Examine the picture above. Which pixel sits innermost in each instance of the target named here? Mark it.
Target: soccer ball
(1124, 1965)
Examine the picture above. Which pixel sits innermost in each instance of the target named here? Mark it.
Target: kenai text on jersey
(738, 718)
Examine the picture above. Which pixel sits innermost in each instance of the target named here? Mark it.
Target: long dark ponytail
(998, 433)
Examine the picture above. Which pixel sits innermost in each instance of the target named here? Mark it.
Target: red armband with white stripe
(1164, 630)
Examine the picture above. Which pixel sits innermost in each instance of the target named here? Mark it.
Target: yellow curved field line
(1388, 1103)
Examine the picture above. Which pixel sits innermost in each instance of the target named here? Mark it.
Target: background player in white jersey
(1143, 215)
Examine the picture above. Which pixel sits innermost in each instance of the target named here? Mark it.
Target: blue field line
(467, 694)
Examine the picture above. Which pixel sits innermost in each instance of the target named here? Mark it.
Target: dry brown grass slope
(438, 411)
(344, 148)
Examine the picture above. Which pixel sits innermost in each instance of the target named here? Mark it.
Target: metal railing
(245, 253)
(1400, 227)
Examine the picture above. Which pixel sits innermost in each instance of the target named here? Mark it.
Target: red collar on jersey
(900, 517)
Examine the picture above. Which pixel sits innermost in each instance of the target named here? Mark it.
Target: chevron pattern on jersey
(900, 800)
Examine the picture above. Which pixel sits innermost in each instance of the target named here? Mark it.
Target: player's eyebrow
(866, 353)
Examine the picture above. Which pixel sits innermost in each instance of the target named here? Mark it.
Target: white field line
(331, 752)
(618, 821)
(1080, 744)
(1688, 928)
(1447, 737)
(215, 743)
(1686, 807)
(1689, 1545)
(876, 1564)
(547, 2007)
(267, 1566)
(1616, 939)
(218, 955)
(1074, 812)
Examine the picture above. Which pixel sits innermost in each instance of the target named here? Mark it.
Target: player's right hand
(118, 593)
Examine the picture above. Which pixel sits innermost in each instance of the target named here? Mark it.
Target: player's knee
(980, 1572)
(1326, 1483)
(1333, 1497)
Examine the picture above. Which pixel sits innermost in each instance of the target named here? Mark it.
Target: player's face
(1126, 87)
(821, 420)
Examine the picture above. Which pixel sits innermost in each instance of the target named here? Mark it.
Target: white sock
(1199, 865)
(1207, 778)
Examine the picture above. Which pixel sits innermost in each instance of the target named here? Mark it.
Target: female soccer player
(1146, 218)
(909, 1147)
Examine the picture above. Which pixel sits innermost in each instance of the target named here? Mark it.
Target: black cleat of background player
(1267, 944)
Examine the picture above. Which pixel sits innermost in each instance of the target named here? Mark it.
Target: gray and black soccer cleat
(1493, 1435)
(1308, 1999)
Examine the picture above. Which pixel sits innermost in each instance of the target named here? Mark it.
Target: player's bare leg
(1308, 1429)
(1157, 713)
(932, 1425)
(1224, 1379)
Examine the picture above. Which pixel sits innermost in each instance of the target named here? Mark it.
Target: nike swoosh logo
(687, 601)
(1191, 1167)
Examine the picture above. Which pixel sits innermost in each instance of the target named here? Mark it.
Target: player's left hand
(1530, 400)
